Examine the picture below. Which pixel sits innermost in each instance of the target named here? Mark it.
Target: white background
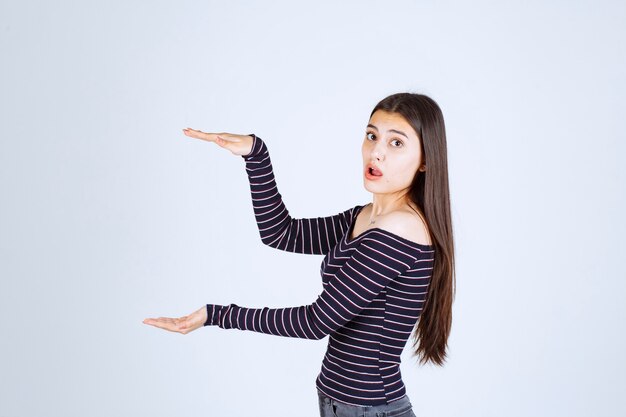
(109, 214)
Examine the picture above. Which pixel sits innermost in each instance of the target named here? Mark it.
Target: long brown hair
(430, 192)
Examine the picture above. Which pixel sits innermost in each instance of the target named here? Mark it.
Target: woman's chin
(370, 187)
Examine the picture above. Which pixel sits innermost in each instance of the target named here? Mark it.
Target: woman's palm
(184, 324)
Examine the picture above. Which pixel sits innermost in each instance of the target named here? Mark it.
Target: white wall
(110, 214)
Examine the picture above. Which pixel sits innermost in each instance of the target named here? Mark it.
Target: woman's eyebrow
(391, 130)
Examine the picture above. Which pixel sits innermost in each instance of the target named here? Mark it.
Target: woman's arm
(377, 260)
(276, 227)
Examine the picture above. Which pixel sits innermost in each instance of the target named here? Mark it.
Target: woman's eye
(367, 135)
(399, 142)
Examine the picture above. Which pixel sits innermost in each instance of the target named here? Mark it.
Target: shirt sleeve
(316, 236)
(376, 261)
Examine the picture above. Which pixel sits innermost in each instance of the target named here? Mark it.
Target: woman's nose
(378, 154)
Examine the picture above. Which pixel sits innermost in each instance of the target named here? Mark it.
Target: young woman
(387, 263)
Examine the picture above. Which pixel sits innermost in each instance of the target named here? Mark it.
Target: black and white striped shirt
(374, 288)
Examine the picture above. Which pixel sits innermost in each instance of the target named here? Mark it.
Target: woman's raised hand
(237, 144)
(184, 324)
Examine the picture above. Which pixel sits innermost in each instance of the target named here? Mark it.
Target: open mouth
(374, 172)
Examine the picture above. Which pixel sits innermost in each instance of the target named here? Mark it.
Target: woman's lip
(373, 167)
(370, 176)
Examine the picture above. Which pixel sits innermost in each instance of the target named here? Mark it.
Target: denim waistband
(395, 407)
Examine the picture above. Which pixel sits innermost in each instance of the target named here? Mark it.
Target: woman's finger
(198, 134)
(191, 133)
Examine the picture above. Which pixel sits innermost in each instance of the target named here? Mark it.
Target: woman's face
(392, 148)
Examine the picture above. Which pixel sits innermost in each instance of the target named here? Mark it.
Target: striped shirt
(374, 287)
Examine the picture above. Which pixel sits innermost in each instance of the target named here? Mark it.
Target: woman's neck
(385, 203)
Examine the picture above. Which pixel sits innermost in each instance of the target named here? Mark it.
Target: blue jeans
(334, 408)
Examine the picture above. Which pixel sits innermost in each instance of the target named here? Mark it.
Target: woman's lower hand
(237, 144)
(184, 324)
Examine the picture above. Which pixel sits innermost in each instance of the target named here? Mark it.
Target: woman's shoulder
(406, 224)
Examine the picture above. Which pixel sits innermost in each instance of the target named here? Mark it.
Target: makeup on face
(390, 149)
